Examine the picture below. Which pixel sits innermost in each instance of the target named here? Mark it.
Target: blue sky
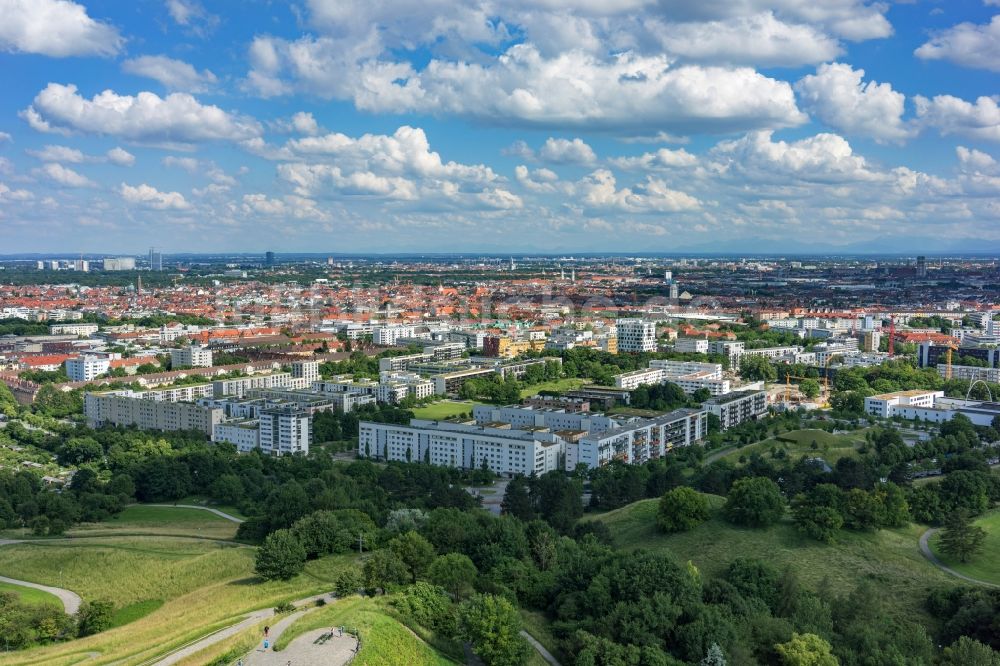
(520, 126)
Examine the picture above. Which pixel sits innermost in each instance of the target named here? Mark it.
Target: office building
(86, 368)
(737, 407)
(155, 260)
(269, 258)
(921, 266)
(503, 450)
(888, 405)
(636, 335)
(191, 356)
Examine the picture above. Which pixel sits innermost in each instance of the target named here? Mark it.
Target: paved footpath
(220, 514)
(250, 620)
(305, 651)
(926, 550)
(71, 600)
(546, 655)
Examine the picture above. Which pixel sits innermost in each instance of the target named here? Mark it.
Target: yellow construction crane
(947, 359)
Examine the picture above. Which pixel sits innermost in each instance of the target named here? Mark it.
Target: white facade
(240, 385)
(970, 373)
(735, 408)
(244, 434)
(191, 356)
(504, 451)
(306, 370)
(285, 432)
(641, 440)
(122, 408)
(86, 368)
(887, 405)
(388, 335)
(636, 335)
(73, 329)
(691, 345)
(642, 377)
(521, 417)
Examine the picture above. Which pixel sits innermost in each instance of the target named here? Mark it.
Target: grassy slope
(384, 640)
(140, 519)
(203, 585)
(30, 595)
(831, 447)
(888, 558)
(985, 565)
(445, 409)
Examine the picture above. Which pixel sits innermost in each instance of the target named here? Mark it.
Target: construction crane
(892, 334)
(947, 359)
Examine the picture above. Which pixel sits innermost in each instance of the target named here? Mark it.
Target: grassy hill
(889, 559)
(796, 443)
(168, 590)
(158, 520)
(985, 565)
(385, 641)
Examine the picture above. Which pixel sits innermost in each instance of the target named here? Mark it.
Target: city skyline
(476, 127)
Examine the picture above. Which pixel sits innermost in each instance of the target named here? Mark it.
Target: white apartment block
(524, 417)
(630, 381)
(191, 356)
(504, 451)
(239, 386)
(640, 440)
(308, 371)
(244, 434)
(728, 348)
(888, 405)
(394, 387)
(285, 431)
(680, 368)
(735, 408)
(121, 409)
(691, 345)
(636, 335)
(388, 335)
(73, 329)
(87, 368)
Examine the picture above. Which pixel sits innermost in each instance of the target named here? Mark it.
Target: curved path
(306, 650)
(926, 550)
(248, 621)
(71, 600)
(220, 514)
(546, 655)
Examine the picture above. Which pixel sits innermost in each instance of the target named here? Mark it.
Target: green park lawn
(797, 443)
(161, 520)
(984, 566)
(30, 595)
(167, 591)
(445, 409)
(385, 641)
(888, 559)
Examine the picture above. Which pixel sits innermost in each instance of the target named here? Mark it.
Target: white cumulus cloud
(837, 96)
(966, 44)
(65, 175)
(952, 115)
(147, 196)
(59, 154)
(177, 118)
(120, 157)
(566, 151)
(57, 28)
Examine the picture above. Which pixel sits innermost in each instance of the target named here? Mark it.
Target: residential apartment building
(388, 335)
(636, 335)
(285, 431)
(120, 408)
(73, 329)
(239, 386)
(503, 450)
(639, 440)
(244, 434)
(971, 373)
(737, 407)
(307, 371)
(191, 356)
(691, 345)
(525, 417)
(629, 381)
(87, 368)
